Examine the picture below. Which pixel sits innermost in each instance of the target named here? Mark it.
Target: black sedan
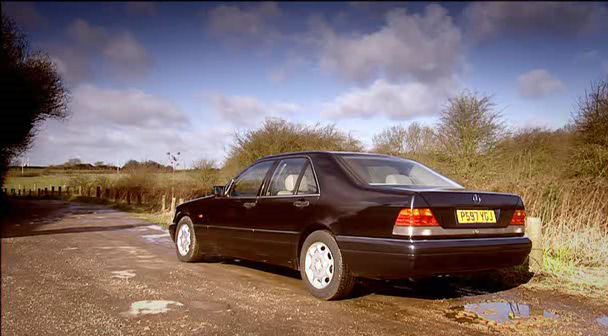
(336, 216)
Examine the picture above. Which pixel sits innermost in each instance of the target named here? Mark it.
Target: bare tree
(398, 140)
(590, 156)
(32, 91)
(591, 118)
(469, 126)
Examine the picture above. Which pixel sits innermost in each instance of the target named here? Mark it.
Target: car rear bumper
(385, 258)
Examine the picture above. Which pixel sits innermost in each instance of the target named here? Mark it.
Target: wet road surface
(81, 269)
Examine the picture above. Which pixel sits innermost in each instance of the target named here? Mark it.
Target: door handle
(249, 205)
(301, 204)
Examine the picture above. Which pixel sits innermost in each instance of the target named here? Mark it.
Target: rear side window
(396, 171)
(248, 183)
(286, 176)
(308, 185)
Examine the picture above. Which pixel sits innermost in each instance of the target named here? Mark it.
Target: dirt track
(84, 269)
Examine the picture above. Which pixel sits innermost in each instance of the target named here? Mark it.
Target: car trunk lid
(446, 204)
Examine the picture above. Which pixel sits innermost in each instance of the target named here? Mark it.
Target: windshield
(382, 171)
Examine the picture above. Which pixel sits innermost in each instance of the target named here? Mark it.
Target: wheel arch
(304, 234)
(173, 226)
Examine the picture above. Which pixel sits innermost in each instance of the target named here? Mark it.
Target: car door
(231, 225)
(284, 210)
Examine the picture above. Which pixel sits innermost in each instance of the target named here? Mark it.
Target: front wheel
(186, 244)
(322, 268)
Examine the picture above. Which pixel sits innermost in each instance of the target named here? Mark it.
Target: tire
(189, 252)
(327, 283)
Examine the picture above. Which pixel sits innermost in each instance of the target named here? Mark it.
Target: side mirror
(218, 190)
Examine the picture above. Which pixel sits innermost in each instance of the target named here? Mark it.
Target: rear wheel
(322, 268)
(186, 245)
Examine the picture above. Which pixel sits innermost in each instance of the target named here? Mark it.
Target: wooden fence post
(163, 203)
(46, 191)
(139, 198)
(19, 192)
(172, 205)
(107, 194)
(128, 197)
(535, 233)
(52, 190)
(98, 192)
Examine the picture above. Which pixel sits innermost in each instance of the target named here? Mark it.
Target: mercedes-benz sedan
(335, 216)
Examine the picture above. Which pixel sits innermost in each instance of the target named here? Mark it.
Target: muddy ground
(81, 269)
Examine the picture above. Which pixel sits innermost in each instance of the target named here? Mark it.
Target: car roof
(318, 152)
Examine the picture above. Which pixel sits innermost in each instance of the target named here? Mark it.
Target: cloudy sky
(147, 78)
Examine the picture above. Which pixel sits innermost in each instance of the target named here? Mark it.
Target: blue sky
(147, 78)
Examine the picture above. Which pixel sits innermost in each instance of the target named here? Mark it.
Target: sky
(149, 78)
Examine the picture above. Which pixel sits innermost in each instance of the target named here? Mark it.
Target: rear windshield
(384, 171)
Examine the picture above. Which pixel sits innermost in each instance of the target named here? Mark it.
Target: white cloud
(131, 107)
(538, 83)
(247, 110)
(124, 55)
(487, 19)
(425, 47)
(127, 55)
(117, 125)
(251, 24)
(395, 101)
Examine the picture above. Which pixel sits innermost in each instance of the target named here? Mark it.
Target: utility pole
(174, 162)
(24, 164)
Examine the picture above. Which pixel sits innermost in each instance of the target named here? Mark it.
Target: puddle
(496, 311)
(126, 274)
(157, 227)
(603, 320)
(157, 238)
(150, 307)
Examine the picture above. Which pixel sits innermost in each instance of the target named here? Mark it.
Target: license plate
(475, 216)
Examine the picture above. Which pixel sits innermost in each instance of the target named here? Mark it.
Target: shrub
(278, 136)
(398, 140)
(590, 158)
(469, 126)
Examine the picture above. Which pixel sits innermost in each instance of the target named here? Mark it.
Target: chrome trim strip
(342, 238)
(429, 231)
(275, 231)
(290, 196)
(228, 228)
(249, 229)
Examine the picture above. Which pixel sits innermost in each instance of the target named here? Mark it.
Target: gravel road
(81, 269)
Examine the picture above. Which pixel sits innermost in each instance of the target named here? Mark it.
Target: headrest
(398, 179)
(290, 182)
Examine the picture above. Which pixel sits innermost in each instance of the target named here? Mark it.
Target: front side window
(375, 170)
(286, 176)
(248, 183)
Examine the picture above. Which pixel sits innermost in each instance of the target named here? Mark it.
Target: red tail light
(519, 217)
(416, 217)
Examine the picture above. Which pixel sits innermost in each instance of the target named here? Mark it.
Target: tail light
(519, 217)
(416, 217)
